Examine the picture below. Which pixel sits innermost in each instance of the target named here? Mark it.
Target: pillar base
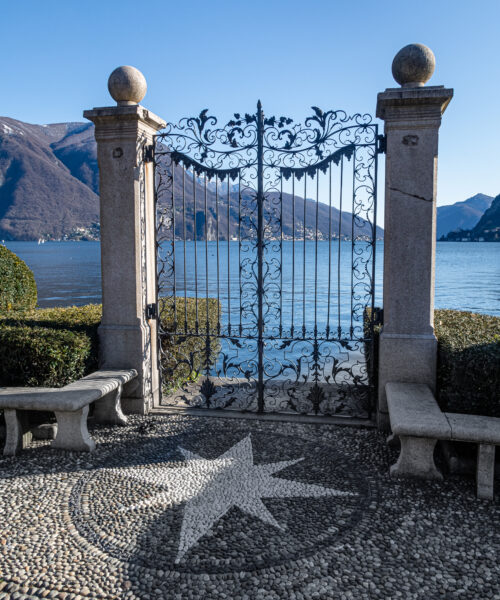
(128, 347)
(407, 359)
(141, 406)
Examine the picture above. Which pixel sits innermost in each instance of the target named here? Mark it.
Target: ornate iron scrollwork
(246, 325)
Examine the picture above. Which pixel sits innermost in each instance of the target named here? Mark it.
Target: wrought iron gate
(266, 239)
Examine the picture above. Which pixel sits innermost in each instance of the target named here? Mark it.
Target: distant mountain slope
(487, 230)
(230, 227)
(48, 179)
(489, 225)
(78, 151)
(461, 215)
(217, 211)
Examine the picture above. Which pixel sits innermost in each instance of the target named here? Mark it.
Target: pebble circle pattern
(149, 536)
(408, 539)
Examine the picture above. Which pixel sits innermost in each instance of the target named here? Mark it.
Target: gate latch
(148, 153)
(381, 144)
(151, 311)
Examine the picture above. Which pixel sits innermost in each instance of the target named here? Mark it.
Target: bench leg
(485, 471)
(72, 432)
(18, 435)
(109, 409)
(416, 459)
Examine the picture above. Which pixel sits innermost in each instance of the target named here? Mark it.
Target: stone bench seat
(418, 422)
(474, 428)
(413, 410)
(71, 407)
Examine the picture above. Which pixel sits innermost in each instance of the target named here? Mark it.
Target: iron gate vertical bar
(174, 266)
(260, 256)
(195, 235)
(184, 247)
(293, 253)
(239, 251)
(228, 258)
(304, 262)
(157, 341)
(341, 192)
(217, 241)
(371, 361)
(353, 241)
(329, 248)
(281, 256)
(208, 349)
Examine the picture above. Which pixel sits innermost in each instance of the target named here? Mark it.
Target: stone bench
(71, 407)
(418, 422)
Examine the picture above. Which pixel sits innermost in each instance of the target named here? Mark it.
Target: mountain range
(49, 185)
(486, 230)
(48, 179)
(461, 215)
(241, 213)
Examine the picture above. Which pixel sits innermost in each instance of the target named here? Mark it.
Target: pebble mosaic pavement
(286, 510)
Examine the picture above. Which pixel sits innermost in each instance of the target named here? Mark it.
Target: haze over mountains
(49, 185)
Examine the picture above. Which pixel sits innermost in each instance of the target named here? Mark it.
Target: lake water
(467, 274)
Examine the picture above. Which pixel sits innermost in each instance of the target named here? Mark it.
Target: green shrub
(17, 283)
(468, 362)
(468, 368)
(183, 358)
(48, 347)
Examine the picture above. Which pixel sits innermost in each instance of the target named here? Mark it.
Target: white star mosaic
(211, 487)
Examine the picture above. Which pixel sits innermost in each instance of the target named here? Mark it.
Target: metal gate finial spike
(259, 105)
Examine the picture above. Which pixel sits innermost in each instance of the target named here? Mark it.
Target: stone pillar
(126, 182)
(412, 116)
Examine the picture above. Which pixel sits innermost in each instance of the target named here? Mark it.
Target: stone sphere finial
(413, 65)
(127, 85)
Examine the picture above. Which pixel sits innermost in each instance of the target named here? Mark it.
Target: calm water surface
(467, 274)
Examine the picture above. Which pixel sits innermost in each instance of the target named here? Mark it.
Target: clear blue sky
(224, 55)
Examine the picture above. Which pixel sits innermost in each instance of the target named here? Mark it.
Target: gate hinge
(152, 311)
(381, 144)
(148, 155)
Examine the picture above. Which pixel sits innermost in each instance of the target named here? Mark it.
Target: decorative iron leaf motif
(208, 389)
(322, 166)
(316, 397)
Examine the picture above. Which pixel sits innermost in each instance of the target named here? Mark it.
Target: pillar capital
(420, 106)
(123, 122)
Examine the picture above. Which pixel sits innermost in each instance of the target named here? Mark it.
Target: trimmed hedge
(468, 369)
(184, 357)
(52, 347)
(48, 347)
(468, 362)
(17, 283)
